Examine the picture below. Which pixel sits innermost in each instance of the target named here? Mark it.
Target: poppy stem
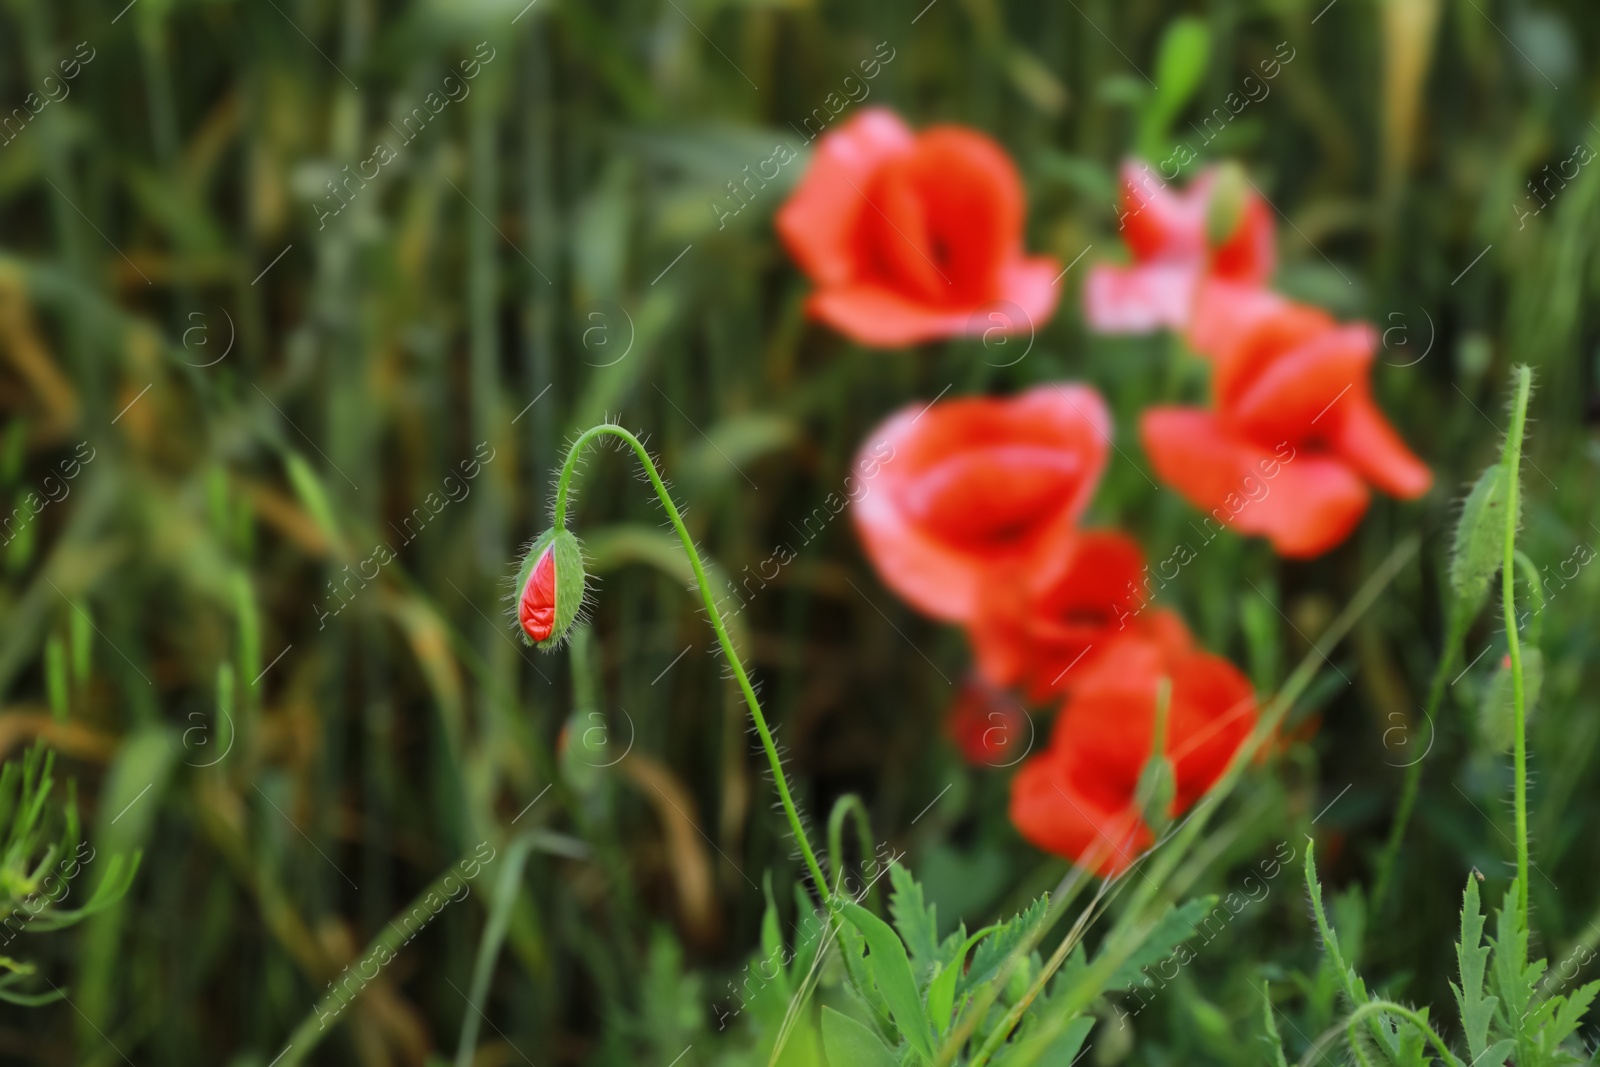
(1511, 464)
(563, 485)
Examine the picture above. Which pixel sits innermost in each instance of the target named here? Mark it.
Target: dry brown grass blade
(686, 853)
(27, 352)
(20, 725)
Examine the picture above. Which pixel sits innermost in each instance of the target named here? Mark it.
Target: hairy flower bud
(549, 588)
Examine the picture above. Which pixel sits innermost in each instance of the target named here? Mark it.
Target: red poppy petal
(980, 490)
(1041, 640)
(1140, 299)
(1365, 439)
(877, 316)
(536, 606)
(1212, 713)
(1304, 392)
(882, 318)
(1303, 502)
(951, 216)
(1249, 255)
(1309, 507)
(1244, 328)
(1159, 222)
(1190, 451)
(1029, 282)
(1051, 813)
(819, 221)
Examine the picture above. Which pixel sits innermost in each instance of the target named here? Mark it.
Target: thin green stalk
(315, 1026)
(1459, 619)
(1511, 463)
(842, 809)
(779, 778)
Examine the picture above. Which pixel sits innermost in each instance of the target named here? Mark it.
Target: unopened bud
(550, 588)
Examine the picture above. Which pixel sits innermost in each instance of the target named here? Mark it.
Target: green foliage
(1175, 926)
(41, 858)
(1504, 1014)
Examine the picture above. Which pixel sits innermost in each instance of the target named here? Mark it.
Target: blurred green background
(270, 390)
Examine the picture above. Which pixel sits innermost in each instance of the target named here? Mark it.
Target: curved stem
(563, 485)
(842, 809)
(1508, 596)
(1378, 1007)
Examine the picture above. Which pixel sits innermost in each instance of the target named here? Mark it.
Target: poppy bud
(1228, 199)
(1480, 539)
(549, 588)
(1497, 713)
(1158, 780)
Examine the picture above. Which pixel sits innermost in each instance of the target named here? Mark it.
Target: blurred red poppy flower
(1294, 436)
(988, 725)
(980, 493)
(1045, 642)
(1078, 798)
(1172, 236)
(908, 236)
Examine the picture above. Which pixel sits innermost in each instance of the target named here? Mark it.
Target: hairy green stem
(842, 809)
(779, 778)
(317, 1025)
(1511, 463)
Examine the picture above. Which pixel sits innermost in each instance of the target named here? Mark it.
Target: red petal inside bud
(536, 607)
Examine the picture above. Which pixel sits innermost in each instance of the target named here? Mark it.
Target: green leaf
(992, 953)
(916, 920)
(809, 943)
(1497, 714)
(1477, 1009)
(1480, 538)
(1175, 926)
(942, 989)
(890, 969)
(1513, 979)
(853, 950)
(1273, 1039)
(1053, 1043)
(1569, 1015)
(849, 1044)
(309, 488)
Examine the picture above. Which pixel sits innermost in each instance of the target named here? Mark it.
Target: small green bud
(1480, 539)
(1226, 209)
(1497, 716)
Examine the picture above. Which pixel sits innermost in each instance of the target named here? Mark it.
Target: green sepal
(1497, 715)
(1480, 539)
(570, 582)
